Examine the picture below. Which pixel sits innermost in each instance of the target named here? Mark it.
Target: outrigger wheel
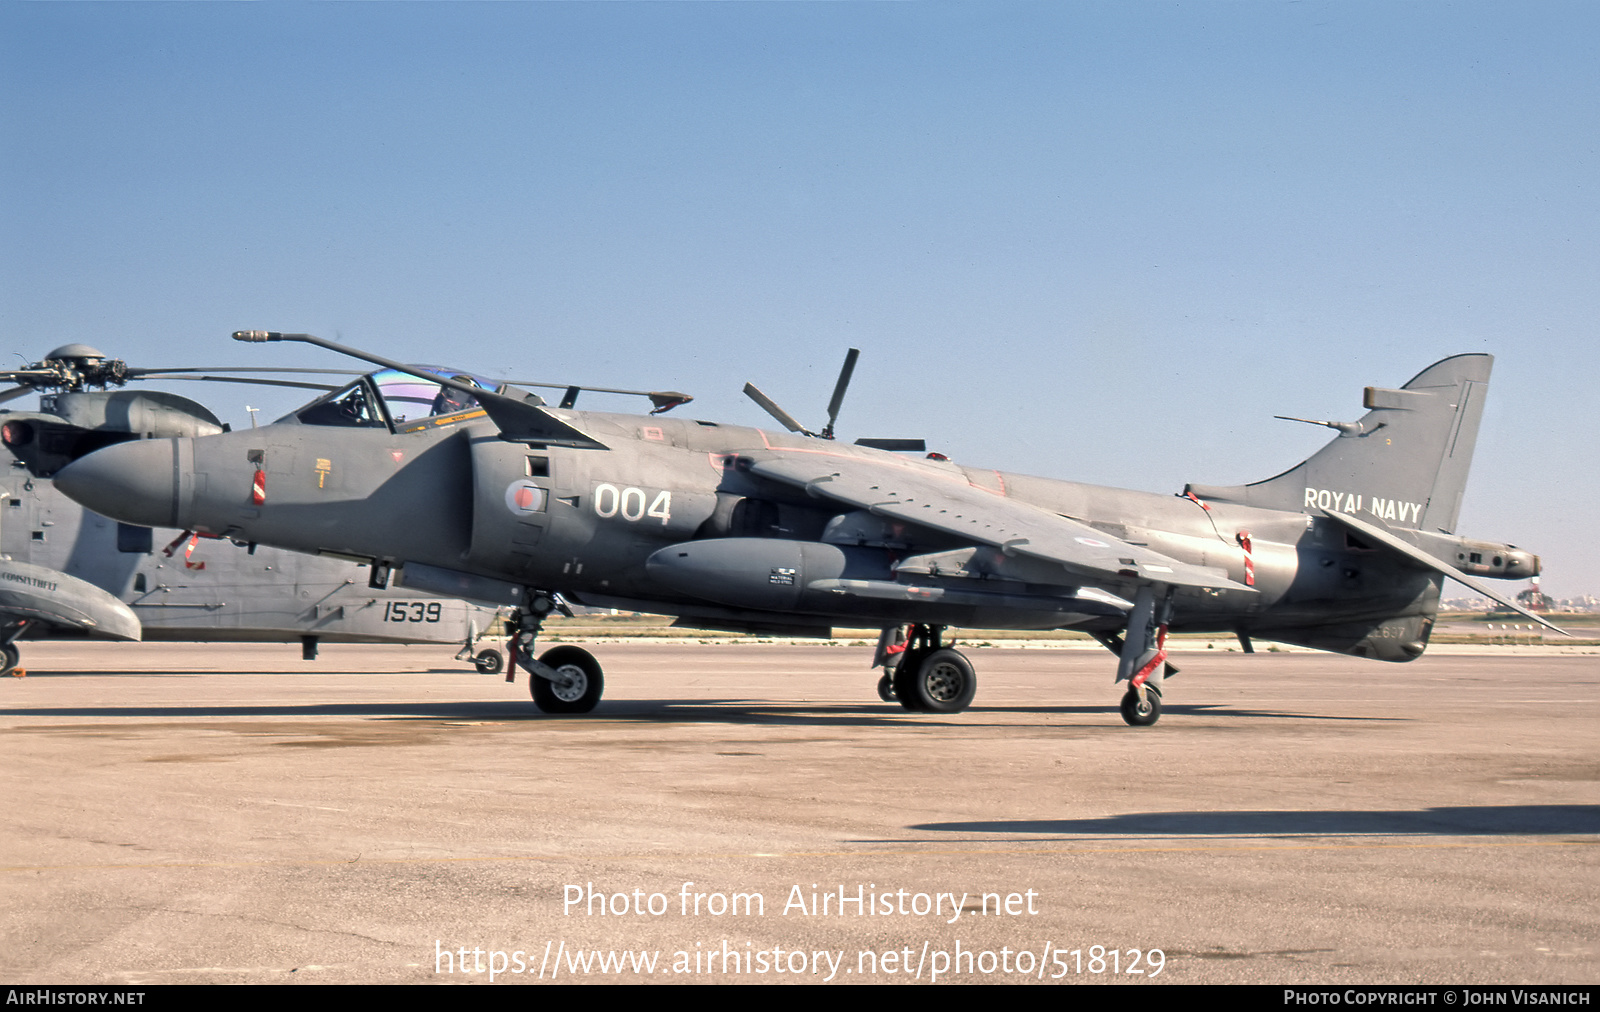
(1142, 712)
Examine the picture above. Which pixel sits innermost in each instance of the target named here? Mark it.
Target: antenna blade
(770, 407)
(897, 445)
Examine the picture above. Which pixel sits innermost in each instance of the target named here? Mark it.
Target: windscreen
(409, 398)
(352, 406)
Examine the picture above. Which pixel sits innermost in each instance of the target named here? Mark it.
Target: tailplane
(1404, 463)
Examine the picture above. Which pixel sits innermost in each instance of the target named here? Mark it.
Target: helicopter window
(351, 406)
(409, 398)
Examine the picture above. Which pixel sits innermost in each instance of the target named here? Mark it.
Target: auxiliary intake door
(512, 503)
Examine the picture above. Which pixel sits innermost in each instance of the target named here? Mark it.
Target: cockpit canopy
(390, 399)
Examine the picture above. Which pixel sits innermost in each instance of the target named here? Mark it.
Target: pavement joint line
(793, 855)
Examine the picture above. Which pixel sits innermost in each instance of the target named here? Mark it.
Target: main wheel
(581, 686)
(944, 682)
(489, 661)
(1141, 712)
(886, 688)
(905, 674)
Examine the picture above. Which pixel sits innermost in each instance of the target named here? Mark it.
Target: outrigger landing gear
(566, 679)
(1142, 655)
(930, 677)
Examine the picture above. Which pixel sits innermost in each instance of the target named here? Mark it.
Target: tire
(10, 657)
(489, 662)
(904, 673)
(587, 682)
(944, 682)
(1141, 714)
(886, 688)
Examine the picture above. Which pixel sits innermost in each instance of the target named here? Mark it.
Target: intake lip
(141, 482)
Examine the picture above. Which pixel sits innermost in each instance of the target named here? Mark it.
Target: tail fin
(1405, 462)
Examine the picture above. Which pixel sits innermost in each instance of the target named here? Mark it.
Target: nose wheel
(489, 661)
(576, 685)
(565, 679)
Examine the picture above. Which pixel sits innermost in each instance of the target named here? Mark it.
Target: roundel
(1091, 542)
(524, 497)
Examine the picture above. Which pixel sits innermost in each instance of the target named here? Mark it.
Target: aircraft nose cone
(138, 482)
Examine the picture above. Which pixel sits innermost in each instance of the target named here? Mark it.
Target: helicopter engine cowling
(148, 414)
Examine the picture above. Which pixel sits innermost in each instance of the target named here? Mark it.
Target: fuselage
(448, 492)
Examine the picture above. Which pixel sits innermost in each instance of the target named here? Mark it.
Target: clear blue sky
(1098, 241)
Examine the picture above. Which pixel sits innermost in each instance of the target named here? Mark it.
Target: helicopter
(67, 572)
(439, 481)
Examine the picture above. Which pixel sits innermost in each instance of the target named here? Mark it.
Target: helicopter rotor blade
(160, 373)
(771, 407)
(325, 387)
(838, 390)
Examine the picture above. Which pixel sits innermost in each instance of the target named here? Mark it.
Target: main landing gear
(565, 679)
(929, 677)
(10, 656)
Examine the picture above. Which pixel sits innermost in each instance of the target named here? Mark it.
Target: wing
(1428, 561)
(952, 506)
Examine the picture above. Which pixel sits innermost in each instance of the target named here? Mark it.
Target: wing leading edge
(953, 507)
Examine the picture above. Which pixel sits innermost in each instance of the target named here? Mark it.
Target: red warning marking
(1161, 655)
(189, 551)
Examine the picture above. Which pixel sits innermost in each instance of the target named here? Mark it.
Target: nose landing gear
(565, 679)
